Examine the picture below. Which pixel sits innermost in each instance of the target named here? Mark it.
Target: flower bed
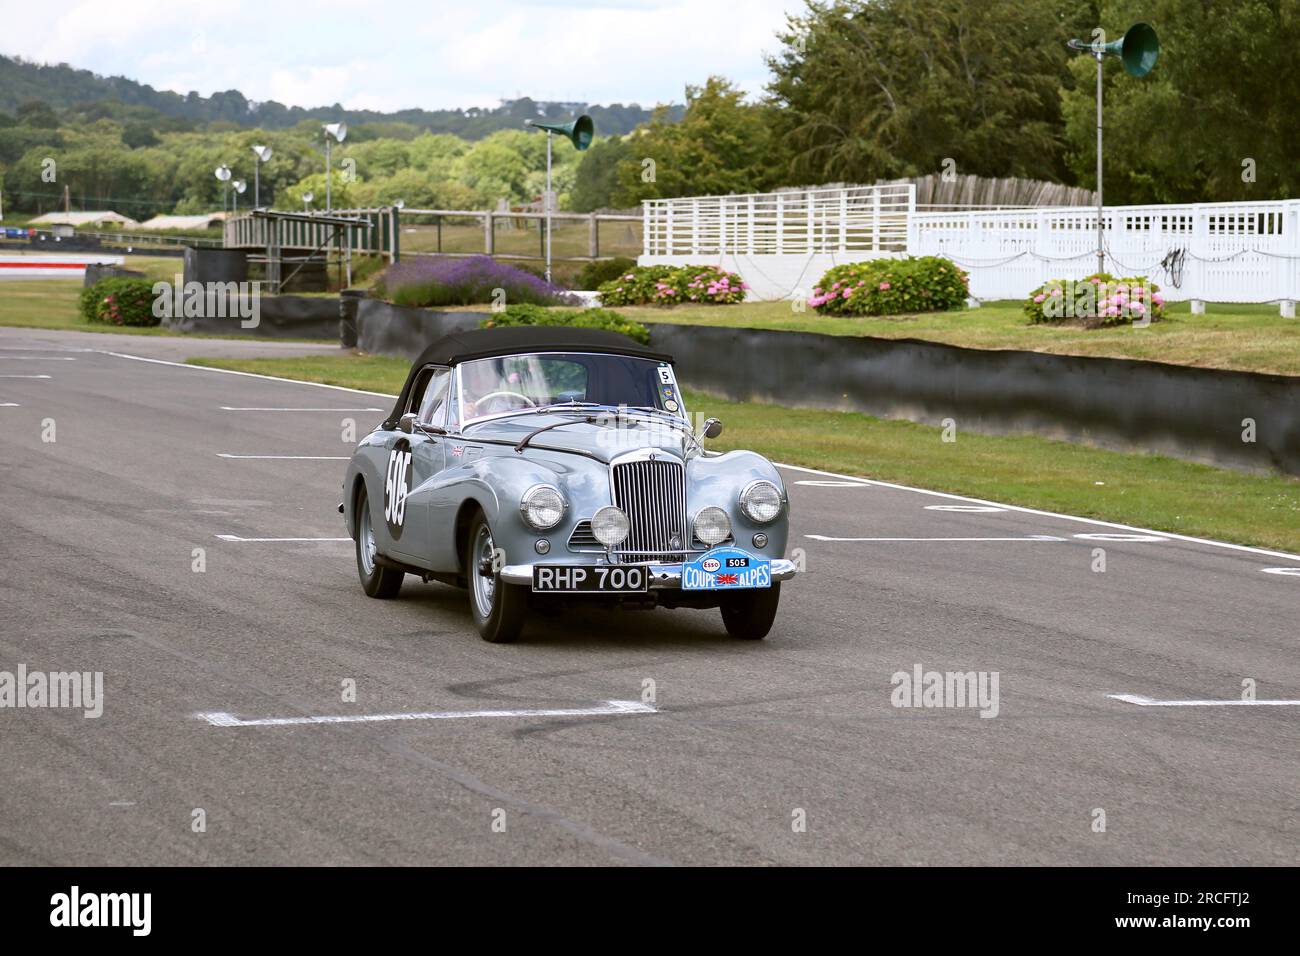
(1099, 300)
(673, 285)
(890, 287)
(429, 281)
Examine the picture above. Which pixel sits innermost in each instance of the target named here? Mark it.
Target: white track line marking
(1031, 537)
(9, 405)
(229, 408)
(1148, 702)
(235, 537)
(973, 509)
(1209, 542)
(231, 371)
(24, 376)
(38, 358)
(1290, 572)
(605, 709)
(286, 457)
(831, 484)
(1120, 537)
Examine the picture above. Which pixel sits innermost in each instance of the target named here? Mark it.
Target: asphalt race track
(741, 743)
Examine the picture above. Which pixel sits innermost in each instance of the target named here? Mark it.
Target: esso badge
(711, 564)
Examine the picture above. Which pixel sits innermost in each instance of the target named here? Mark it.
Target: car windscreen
(492, 386)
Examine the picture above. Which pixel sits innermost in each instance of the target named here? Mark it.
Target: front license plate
(726, 569)
(570, 579)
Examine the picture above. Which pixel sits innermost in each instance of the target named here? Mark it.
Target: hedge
(573, 318)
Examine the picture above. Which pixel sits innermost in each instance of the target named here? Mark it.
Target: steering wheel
(504, 393)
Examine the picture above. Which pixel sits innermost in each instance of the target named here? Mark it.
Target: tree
(893, 88)
(1217, 118)
(596, 179)
(722, 145)
(138, 135)
(38, 115)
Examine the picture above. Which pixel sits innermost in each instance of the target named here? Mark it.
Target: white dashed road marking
(38, 358)
(1289, 572)
(231, 408)
(235, 537)
(24, 376)
(286, 457)
(832, 484)
(973, 509)
(1120, 537)
(1148, 702)
(1030, 537)
(606, 709)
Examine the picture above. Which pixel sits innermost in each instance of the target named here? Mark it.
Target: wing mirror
(407, 422)
(712, 428)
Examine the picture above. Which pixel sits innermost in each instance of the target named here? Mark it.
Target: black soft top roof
(489, 343)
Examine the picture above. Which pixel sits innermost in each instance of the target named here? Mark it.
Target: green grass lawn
(1145, 490)
(1249, 338)
(52, 303)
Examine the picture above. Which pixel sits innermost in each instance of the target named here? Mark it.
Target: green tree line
(858, 91)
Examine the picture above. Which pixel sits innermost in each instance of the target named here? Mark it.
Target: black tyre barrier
(1204, 415)
(386, 329)
(278, 317)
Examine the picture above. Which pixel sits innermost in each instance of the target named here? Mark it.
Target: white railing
(782, 242)
(1221, 252)
(857, 219)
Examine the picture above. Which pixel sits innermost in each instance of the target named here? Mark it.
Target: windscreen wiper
(523, 442)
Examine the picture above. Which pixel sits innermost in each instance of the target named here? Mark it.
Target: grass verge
(1145, 490)
(1248, 338)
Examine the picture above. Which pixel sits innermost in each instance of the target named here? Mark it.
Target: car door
(415, 459)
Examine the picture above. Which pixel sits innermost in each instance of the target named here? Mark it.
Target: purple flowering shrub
(890, 287)
(1099, 300)
(428, 281)
(674, 285)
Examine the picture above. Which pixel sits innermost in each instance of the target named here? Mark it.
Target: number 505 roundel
(397, 483)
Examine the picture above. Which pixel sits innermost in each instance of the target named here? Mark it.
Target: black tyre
(498, 608)
(376, 580)
(748, 615)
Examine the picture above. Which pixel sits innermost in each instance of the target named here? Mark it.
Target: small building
(211, 220)
(103, 217)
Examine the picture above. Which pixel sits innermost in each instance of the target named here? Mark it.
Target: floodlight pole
(546, 201)
(1101, 241)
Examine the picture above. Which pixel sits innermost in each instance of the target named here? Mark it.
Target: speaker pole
(546, 200)
(1101, 240)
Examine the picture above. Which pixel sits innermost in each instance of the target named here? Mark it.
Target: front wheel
(498, 608)
(376, 580)
(748, 615)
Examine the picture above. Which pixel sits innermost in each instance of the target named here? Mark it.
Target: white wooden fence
(781, 243)
(1218, 252)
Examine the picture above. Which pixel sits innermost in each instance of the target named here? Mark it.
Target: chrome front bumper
(661, 575)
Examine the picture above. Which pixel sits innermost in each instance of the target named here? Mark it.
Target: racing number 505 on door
(395, 487)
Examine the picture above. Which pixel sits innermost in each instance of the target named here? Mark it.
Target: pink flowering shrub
(673, 285)
(119, 301)
(890, 287)
(1099, 300)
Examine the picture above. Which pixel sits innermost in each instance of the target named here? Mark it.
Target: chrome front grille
(653, 494)
(582, 537)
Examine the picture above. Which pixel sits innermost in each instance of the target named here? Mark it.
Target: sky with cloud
(393, 54)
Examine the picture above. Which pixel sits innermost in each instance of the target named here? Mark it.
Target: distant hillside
(64, 87)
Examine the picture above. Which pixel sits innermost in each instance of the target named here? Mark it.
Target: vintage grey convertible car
(539, 466)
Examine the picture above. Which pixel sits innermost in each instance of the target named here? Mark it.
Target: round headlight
(610, 526)
(542, 506)
(760, 501)
(712, 526)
